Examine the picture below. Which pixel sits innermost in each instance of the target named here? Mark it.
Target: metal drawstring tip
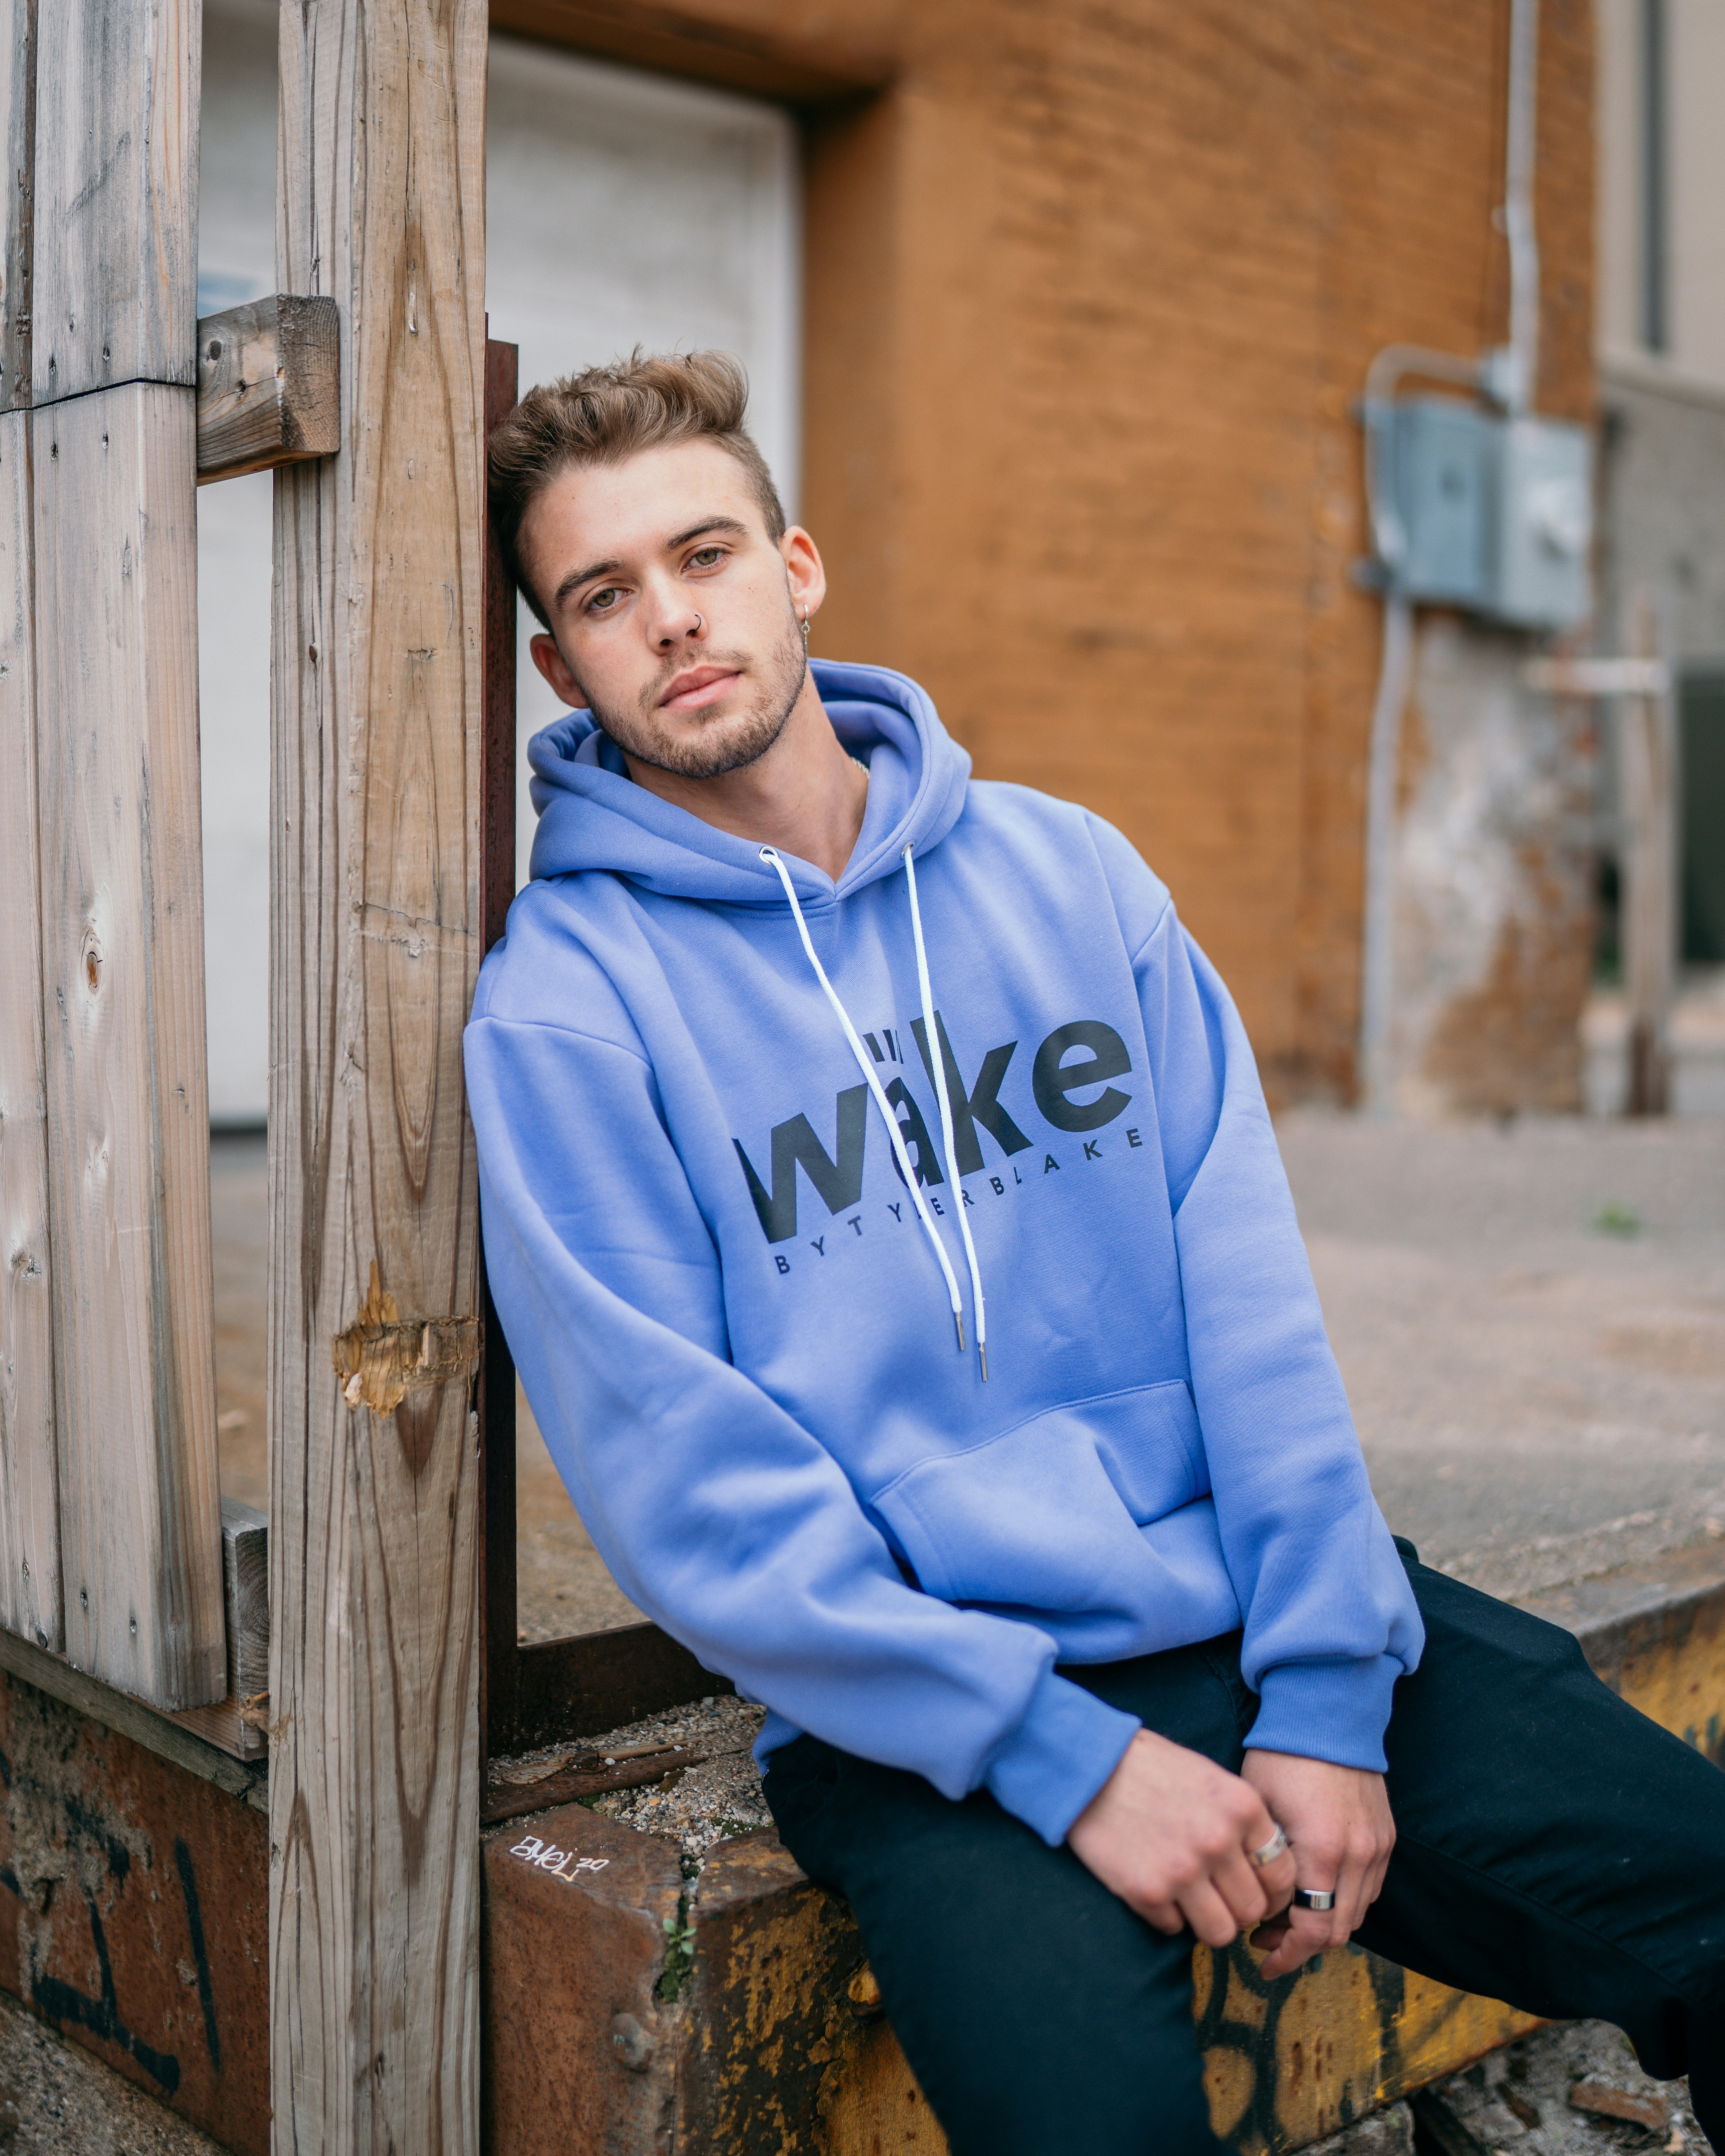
(983, 1350)
(958, 1320)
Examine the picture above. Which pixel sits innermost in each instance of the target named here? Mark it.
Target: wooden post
(103, 148)
(1647, 770)
(375, 938)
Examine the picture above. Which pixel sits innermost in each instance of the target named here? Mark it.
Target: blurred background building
(1058, 319)
(1661, 364)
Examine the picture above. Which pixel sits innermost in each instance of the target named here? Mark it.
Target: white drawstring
(893, 1132)
(938, 1062)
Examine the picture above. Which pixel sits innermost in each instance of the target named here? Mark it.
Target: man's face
(674, 617)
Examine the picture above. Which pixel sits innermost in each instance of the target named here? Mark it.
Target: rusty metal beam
(134, 1904)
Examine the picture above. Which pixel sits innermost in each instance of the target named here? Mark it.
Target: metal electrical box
(1494, 515)
(1543, 531)
(1440, 474)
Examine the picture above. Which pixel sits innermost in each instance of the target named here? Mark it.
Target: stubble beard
(718, 746)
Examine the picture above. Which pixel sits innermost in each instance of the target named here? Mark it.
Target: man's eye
(603, 602)
(704, 557)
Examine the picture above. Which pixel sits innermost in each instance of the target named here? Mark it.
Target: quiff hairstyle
(606, 413)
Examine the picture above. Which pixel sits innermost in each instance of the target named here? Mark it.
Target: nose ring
(697, 624)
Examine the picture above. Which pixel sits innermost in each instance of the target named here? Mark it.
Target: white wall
(1694, 95)
(621, 209)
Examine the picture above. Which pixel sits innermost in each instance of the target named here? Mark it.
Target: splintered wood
(374, 1780)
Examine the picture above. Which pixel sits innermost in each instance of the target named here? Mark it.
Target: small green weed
(678, 1951)
(1615, 1219)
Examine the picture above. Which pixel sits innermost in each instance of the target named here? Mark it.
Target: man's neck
(805, 795)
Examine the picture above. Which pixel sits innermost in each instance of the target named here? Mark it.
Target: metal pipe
(1519, 144)
(1510, 376)
(1378, 962)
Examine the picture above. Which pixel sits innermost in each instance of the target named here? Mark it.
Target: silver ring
(697, 624)
(1314, 1897)
(1276, 1846)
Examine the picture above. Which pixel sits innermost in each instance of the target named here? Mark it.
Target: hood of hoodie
(593, 815)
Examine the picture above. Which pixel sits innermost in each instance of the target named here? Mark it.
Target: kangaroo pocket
(1097, 1511)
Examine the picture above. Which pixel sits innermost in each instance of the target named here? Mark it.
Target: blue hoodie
(736, 1334)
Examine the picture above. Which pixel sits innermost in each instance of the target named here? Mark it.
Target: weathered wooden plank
(374, 1500)
(115, 294)
(29, 1502)
(122, 911)
(18, 116)
(269, 388)
(237, 1722)
(162, 1733)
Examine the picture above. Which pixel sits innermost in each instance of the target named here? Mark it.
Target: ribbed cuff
(1333, 1710)
(1054, 1763)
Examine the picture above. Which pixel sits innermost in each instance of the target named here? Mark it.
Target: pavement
(1530, 1320)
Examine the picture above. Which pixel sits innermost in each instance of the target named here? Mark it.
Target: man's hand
(1170, 1833)
(1337, 1819)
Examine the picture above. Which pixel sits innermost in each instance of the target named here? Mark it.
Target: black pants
(1555, 1848)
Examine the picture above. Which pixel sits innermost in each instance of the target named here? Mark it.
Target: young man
(883, 1210)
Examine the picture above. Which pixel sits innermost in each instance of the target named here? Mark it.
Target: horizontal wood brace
(268, 385)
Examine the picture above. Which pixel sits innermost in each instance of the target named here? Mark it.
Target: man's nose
(674, 621)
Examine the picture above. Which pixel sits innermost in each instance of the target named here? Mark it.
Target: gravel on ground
(57, 2100)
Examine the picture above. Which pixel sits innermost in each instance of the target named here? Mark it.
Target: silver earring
(805, 632)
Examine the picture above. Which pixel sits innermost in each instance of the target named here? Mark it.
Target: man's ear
(804, 570)
(554, 667)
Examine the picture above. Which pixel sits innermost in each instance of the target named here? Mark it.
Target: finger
(1274, 1879)
(1307, 1934)
(1166, 1916)
(1270, 1934)
(1286, 1960)
(1209, 1915)
(1352, 1900)
(1240, 1884)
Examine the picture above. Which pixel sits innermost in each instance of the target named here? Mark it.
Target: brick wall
(1090, 288)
